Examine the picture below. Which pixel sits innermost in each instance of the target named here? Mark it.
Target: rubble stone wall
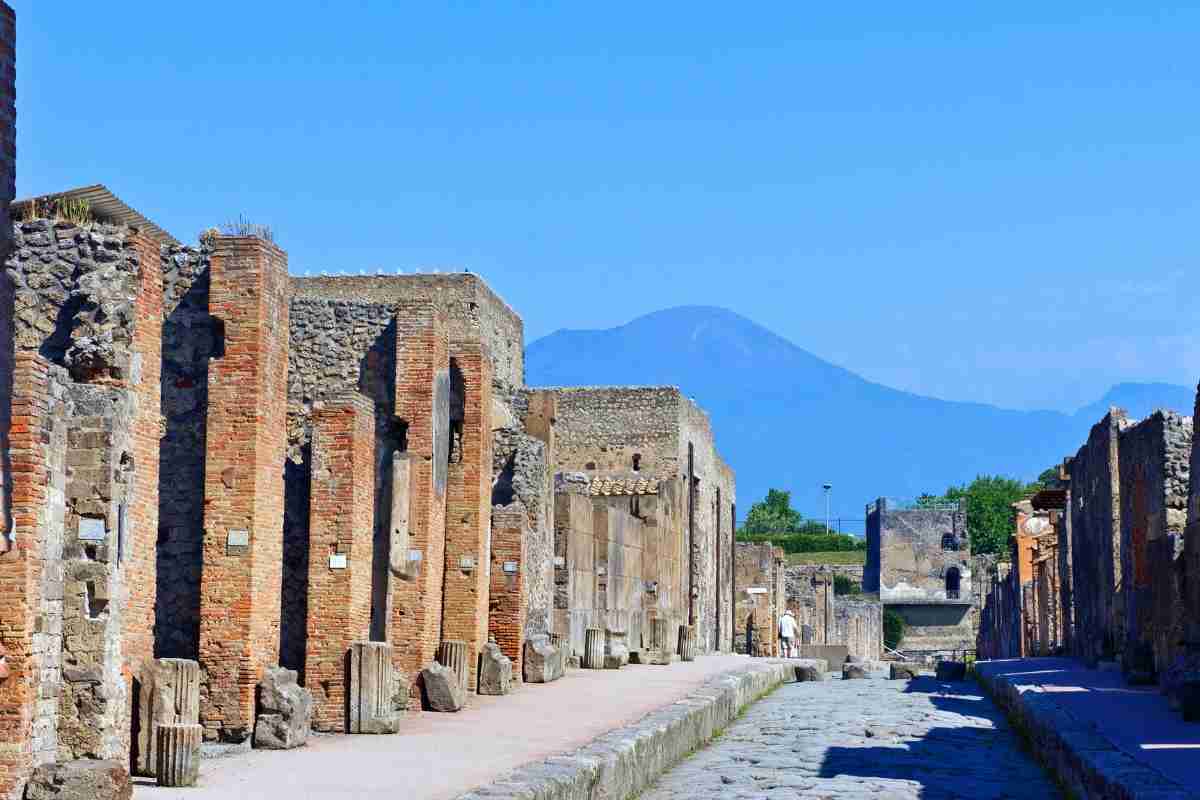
(1154, 476)
(911, 552)
(1096, 533)
(858, 624)
(761, 598)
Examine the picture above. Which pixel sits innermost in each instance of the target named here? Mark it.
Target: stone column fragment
(373, 692)
(616, 649)
(169, 695)
(593, 649)
(177, 754)
(495, 671)
(453, 654)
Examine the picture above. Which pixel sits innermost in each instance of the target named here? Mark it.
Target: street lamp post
(828, 491)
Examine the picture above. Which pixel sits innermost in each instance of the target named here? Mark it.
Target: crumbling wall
(82, 368)
(575, 579)
(810, 596)
(914, 550)
(189, 339)
(1096, 533)
(858, 624)
(1154, 474)
(473, 311)
(760, 599)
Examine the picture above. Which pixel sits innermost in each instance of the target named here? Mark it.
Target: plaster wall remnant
(761, 598)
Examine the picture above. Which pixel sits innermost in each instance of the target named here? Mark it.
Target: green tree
(773, 515)
(893, 629)
(989, 500)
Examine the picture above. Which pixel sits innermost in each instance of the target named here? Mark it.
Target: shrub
(843, 585)
(893, 629)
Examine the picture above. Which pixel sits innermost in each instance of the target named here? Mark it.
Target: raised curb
(1082, 760)
(624, 762)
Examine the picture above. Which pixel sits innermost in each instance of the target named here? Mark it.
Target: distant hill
(785, 418)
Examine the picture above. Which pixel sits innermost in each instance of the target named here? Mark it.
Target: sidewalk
(438, 756)
(1106, 730)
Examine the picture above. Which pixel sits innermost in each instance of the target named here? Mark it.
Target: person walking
(787, 633)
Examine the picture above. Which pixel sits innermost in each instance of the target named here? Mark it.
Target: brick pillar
(141, 545)
(469, 504)
(422, 402)
(243, 485)
(21, 567)
(341, 531)
(508, 604)
(16, 580)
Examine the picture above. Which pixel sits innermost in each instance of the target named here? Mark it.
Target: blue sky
(974, 201)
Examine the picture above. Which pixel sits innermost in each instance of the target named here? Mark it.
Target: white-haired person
(787, 634)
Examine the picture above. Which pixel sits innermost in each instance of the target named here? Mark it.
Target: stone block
(662, 635)
(593, 649)
(376, 697)
(806, 673)
(169, 695)
(951, 671)
(852, 671)
(84, 779)
(495, 670)
(543, 661)
(284, 711)
(441, 689)
(616, 649)
(903, 672)
(177, 753)
(453, 654)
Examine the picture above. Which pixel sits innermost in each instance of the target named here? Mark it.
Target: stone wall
(1096, 541)
(761, 597)
(912, 554)
(82, 355)
(858, 624)
(474, 312)
(1153, 466)
(655, 433)
(810, 595)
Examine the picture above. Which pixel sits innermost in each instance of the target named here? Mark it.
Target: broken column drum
(372, 701)
(169, 695)
(593, 649)
(495, 670)
(177, 754)
(687, 643)
(453, 654)
(616, 649)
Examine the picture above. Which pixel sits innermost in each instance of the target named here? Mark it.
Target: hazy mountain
(785, 418)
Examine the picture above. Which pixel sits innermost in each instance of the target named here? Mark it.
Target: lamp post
(828, 491)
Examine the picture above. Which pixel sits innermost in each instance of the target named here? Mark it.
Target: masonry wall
(575, 579)
(761, 598)
(810, 596)
(1096, 533)
(244, 490)
(1153, 466)
(82, 341)
(509, 599)
(189, 340)
(472, 310)
(618, 538)
(858, 623)
(911, 551)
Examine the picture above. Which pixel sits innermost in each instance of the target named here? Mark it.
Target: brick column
(340, 530)
(21, 567)
(469, 505)
(243, 485)
(141, 545)
(508, 603)
(422, 402)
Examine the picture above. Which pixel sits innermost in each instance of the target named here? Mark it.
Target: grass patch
(829, 557)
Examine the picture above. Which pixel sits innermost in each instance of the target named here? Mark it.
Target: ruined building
(918, 563)
(760, 598)
(209, 462)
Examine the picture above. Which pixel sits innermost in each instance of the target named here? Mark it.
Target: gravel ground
(863, 739)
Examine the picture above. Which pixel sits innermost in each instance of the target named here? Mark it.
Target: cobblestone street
(863, 739)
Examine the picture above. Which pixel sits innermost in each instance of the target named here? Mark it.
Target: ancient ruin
(326, 499)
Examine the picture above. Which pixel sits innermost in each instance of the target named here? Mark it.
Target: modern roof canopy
(104, 206)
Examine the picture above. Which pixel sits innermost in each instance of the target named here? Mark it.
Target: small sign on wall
(755, 590)
(92, 529)
(414, 556)
(236, 538)
(510, 567)
(337, 561)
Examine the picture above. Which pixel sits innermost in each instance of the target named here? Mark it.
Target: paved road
(862, 739)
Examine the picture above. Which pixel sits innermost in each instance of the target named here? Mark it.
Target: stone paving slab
(843, 740)
(439, 756)
(1102, 738)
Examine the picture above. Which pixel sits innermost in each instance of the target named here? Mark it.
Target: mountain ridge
(785, 418)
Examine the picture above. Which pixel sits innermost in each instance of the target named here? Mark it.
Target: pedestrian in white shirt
(787, 633)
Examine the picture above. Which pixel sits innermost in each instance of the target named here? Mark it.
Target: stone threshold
(1083, 761)
(626, 761)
